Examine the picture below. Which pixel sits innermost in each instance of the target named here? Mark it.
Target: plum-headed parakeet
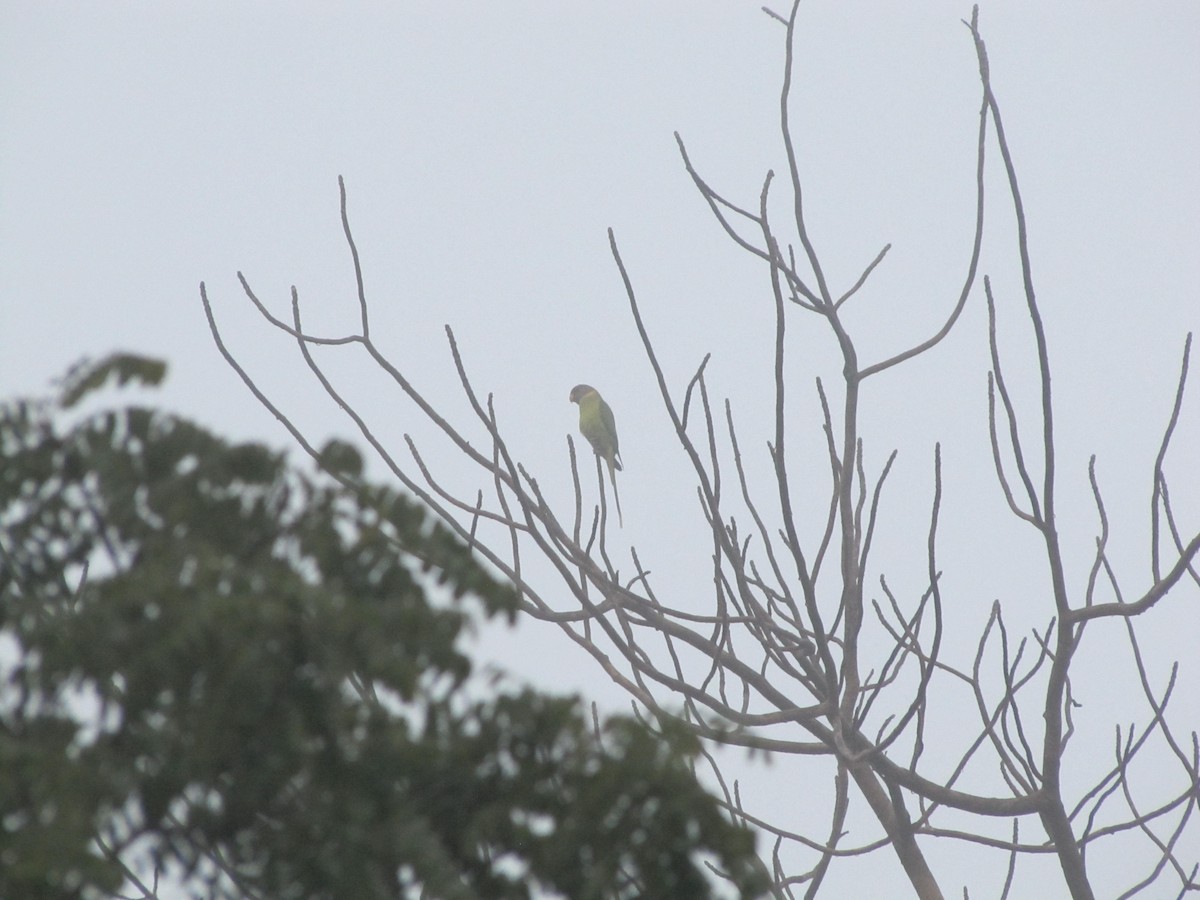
(596, 423)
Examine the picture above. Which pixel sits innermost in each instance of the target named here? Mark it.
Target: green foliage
(237, 668)
(87, 376)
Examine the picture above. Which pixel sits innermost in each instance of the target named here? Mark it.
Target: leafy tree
(221, 669)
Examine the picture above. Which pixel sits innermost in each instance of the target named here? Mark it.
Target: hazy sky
(145, 147)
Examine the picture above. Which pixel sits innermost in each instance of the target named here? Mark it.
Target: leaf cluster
(250, 677)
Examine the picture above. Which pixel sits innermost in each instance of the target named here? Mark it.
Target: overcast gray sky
(145, 147)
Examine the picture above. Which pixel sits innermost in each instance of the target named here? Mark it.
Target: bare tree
(780, 663)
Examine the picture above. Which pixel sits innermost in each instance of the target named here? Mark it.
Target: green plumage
(599, 426)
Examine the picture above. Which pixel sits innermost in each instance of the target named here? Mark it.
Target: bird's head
(580, 391)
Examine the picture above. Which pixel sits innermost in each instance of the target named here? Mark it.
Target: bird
(596, 423)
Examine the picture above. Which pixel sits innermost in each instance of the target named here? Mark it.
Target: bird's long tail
(612, 476)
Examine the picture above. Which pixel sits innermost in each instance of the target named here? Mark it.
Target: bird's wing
(610, 424)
